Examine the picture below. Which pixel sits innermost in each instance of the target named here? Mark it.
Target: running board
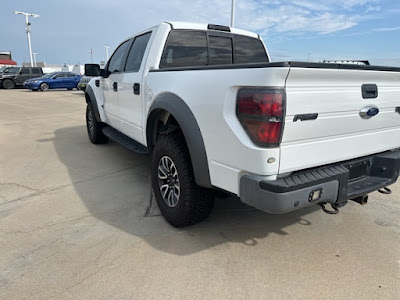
(124, 140)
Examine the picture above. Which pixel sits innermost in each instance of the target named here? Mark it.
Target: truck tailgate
(338, 132)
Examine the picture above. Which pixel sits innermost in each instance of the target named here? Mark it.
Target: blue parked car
(57, 80)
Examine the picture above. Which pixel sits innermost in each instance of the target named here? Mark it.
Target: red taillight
(261, 114)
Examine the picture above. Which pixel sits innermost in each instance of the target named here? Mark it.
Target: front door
(110, 84)
(24, 74)
(56, 81)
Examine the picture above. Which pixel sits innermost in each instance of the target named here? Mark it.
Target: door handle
(369, 91)
(136, 88)
(115, 87)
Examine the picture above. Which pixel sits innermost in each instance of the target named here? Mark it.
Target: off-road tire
(94, 128)
(8, 84)
(194, 203)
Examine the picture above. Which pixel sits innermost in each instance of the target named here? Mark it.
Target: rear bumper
(337, 183)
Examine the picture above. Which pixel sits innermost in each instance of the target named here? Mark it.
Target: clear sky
(328, 29)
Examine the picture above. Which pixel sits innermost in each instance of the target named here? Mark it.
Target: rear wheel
(94, 128)
(44, 87)
(8, 84)
(181, 201)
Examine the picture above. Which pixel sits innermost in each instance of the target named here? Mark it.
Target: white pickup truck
(215, 114)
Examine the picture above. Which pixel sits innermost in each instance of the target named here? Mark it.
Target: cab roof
(203, 26)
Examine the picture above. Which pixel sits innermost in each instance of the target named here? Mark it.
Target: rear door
(327, 116)
(69, 80)
(131, 89)
(36, 73)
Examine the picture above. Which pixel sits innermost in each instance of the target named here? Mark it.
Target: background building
(6, 59)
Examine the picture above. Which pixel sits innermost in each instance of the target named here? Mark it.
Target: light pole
(28, 30)
(106, 52)
(233, 13)
(91, 55)
(34, 59)
(309, 54)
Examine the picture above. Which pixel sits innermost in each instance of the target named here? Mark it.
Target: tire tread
(195, 203)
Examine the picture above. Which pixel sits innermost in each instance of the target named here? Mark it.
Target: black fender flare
(9, 78)
(191, 131)
(90, 97)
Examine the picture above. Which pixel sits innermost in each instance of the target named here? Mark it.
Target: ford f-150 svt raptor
(214, 113)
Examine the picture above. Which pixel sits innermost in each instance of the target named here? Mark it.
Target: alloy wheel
(168, 181)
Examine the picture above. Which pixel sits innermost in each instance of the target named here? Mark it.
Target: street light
(106, 52)
(34, 58)
(233, 13)
(28, 29)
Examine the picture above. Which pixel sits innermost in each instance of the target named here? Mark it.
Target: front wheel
(181, 201)
(8, 84)
(44, 87)
(94, 128)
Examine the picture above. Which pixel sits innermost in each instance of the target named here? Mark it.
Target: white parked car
(214, 113)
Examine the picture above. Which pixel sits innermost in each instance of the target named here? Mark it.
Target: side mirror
(92, 70)
(54, 77)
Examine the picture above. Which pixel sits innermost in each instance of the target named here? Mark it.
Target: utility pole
(233, 14)
(34, 59)
(28, 30)
(106, 52)
(309, 55)
(91, 55)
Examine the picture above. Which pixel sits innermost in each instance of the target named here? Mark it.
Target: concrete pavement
(77, 221)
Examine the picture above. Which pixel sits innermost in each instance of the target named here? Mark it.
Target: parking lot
(78, 221)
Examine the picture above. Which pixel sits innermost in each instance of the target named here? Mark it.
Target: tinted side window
(70, 75)
(24, 71)
(36, 71)
(136, 53)
(185, 48)
(117, 60)
(220, 50)
(249, 50)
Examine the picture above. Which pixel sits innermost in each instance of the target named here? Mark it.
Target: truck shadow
(114, 184)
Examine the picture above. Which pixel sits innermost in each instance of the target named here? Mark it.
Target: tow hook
(361, 200)
(331, 212)
(385, 191)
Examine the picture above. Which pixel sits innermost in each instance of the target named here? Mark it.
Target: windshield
(12, 70)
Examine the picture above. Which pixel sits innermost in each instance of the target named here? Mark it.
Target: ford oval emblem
(369, 111)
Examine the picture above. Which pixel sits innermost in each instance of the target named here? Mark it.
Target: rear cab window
(196, 48)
